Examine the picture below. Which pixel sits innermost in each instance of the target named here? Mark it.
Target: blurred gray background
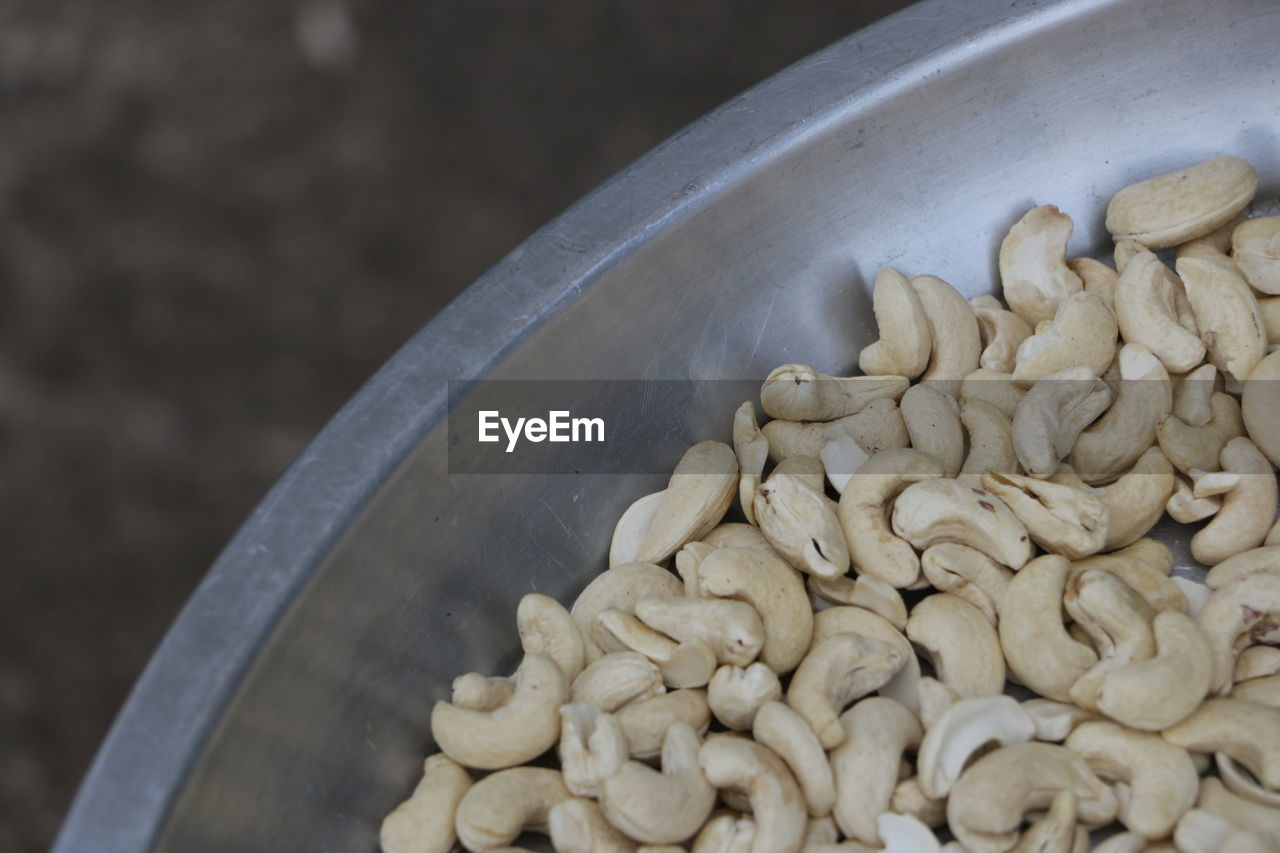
(217, 220)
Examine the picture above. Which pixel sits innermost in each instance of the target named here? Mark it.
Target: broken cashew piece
(1180, 206)
(905, 337)
(1033, 264)
(424, 822)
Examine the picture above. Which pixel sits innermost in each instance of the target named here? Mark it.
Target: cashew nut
(877, 427)
(1117, 620)
(877, 731)
(797, 392)
(424, 822)
(752, 450)
(998, 389)
(1185, 508)
(1049, 419)
(687, 664)
(1238, 614)
(969, 574)
(502, 805)
(905, 339)
(1255, 247)
(732, 534)
(619, 588)
(776, 801)
(786, 733)
(910, 800)
(1246, 731)
(1179, 206)
(661, 807)
(1265, 690)
(1256, 662)
(1054, 721)
(645, 721)
(1227, 314)
(577, 825)
(840, 457)
(1192, 393)
(774, 589)
(964, 729)
(1060, 519)
(960, 642)
(632, 528)
(990, 441)
(1247, 511)
(1259, 404)
(1099, 279)
(933, 422)
(1083, 331)
(1190, 447)
(953, 329)
(726, 832)
(1057, 831)
(837, 671)
(1002, 332)
(545, 626)
(592, 747)
(934, 511)
(904, 686)
(800, 523)
(863, 509)
(617, 679)
(1037, 647)
(521, 729)
(1240, 781)
(697, 496)
(1136, 501)
(1033, 264)
(733, 629)
(1148, 302)
(1216, 799)
(1110, 447)
(736, 694)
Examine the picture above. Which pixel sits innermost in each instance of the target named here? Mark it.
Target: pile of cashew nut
(940, 625)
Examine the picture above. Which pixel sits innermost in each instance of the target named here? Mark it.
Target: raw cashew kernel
(786, 733)
(1099, 279)
(632, 528)
(752, 449)
(645, 721)
(1083, 331)
(1190, 447)
(1049, 419)
(502, 805)
(521, 729)
(1156, 693)
(732, 629)
(697, 496)
(998, 389)
(990, 441)
(1037, 647)
(1148, 299)
(1002, 332)
(424, 822)
(1113, 444)
(1246, 731)
(1259, 404)
(1117, 620)
(905, 337)
(1033, 264)
(1136, 501)
(953, 329)
(578, 825)
(1227, 314)
(797, 392)
(688, 664)
(837, 671)
(776, 802)
(545, 626)
(1185, 508)
(801, 524)
(1179, 206)
(736, 694)
(935, 511)
(619, 588)
(877, 427)
(877, 731)
(1060, 519)
(1192, 393)
(1248, 510)
(661, 807)
(962, 730)
(592, 747)
(617, 679)
(961, 643)
(1255, 247)
(1238, 614)
(933, 422)
(969, 574)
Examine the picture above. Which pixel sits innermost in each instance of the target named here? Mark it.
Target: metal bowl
(287, 709)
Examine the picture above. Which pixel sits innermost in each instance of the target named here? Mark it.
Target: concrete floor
(217, 220)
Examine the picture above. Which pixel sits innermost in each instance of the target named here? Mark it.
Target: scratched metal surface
(289, 708)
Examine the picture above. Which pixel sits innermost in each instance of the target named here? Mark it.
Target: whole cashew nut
(1227, 314)
(933, 422)
(513, 733)
(645, 721)
(1263, 559)
(1255, 247)
(1125, 431)
(751, 447)
(502, 805)
(1049, 419)
(1260, 402)
(961, 643)
(877, 731)
(1037, 647)
(1117, 620)
(836, 672)
(1148, 299)
(632, 528)
(1156, 693)
(1002, 332)
(578, 825)
(733, 629)
(962, 730)
(545, 626)
(615, 680)
(1247, 511)
(661, 807)
(1246, 731)
(1136, 501)
(953, 329)
(968, 573)
(736, 694)
(619, 588)
(786, 733)
(1238, 614)
(1190, 447)
(905, 337)
(1033, 264)
(1179, 206)
(990, 441)
(776, 801)
(424, 822)
(800, 523)
(1083, 331)
(934, 511)
(697, 496)
(592, 747)
(1099, 279)
(998, 389)
(1060, 519)
(797, 392)
(877, 427)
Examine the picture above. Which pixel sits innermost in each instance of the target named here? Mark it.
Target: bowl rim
(174, 708)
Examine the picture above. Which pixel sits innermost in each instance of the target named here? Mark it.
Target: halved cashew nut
(592, 747)
(1227, 314)
(837, 671)
(876, 428)
(1049, 419)
(863, 514)
(752, 449)
(1099, 279)
(521, 729)
(1125, 431)
(733, 629)
(1039, 651)
(1033, 264)
(1190, 447)
(1083, 331)
(786, 733)
(961, 643)
(998, 389)
(619, 588)
(990, 441)
(1248, 510)
(1136, 501)
(774, 589)
(1255, 247)
(1061, 519)
(545, 626)
(1179, 206)
(736, 694)
(990, 799)
(953, 329)
(1260, 403)
(797, 392)
(1246, 731)
(661, 807)
(776, 802)
(578, 825)
(968, 573)
(645, 721)
(800, 523)
(962, 730)
(933, 422)
(502, 805)
(905, 338)
(877, 731)
(1148, 298)
(424, 822)
(1156, 693)
(1162, 780)
(697, 496)
(632, 528)
(935, 511)
(617, 679)
(1238, 614)
(1002, 333)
